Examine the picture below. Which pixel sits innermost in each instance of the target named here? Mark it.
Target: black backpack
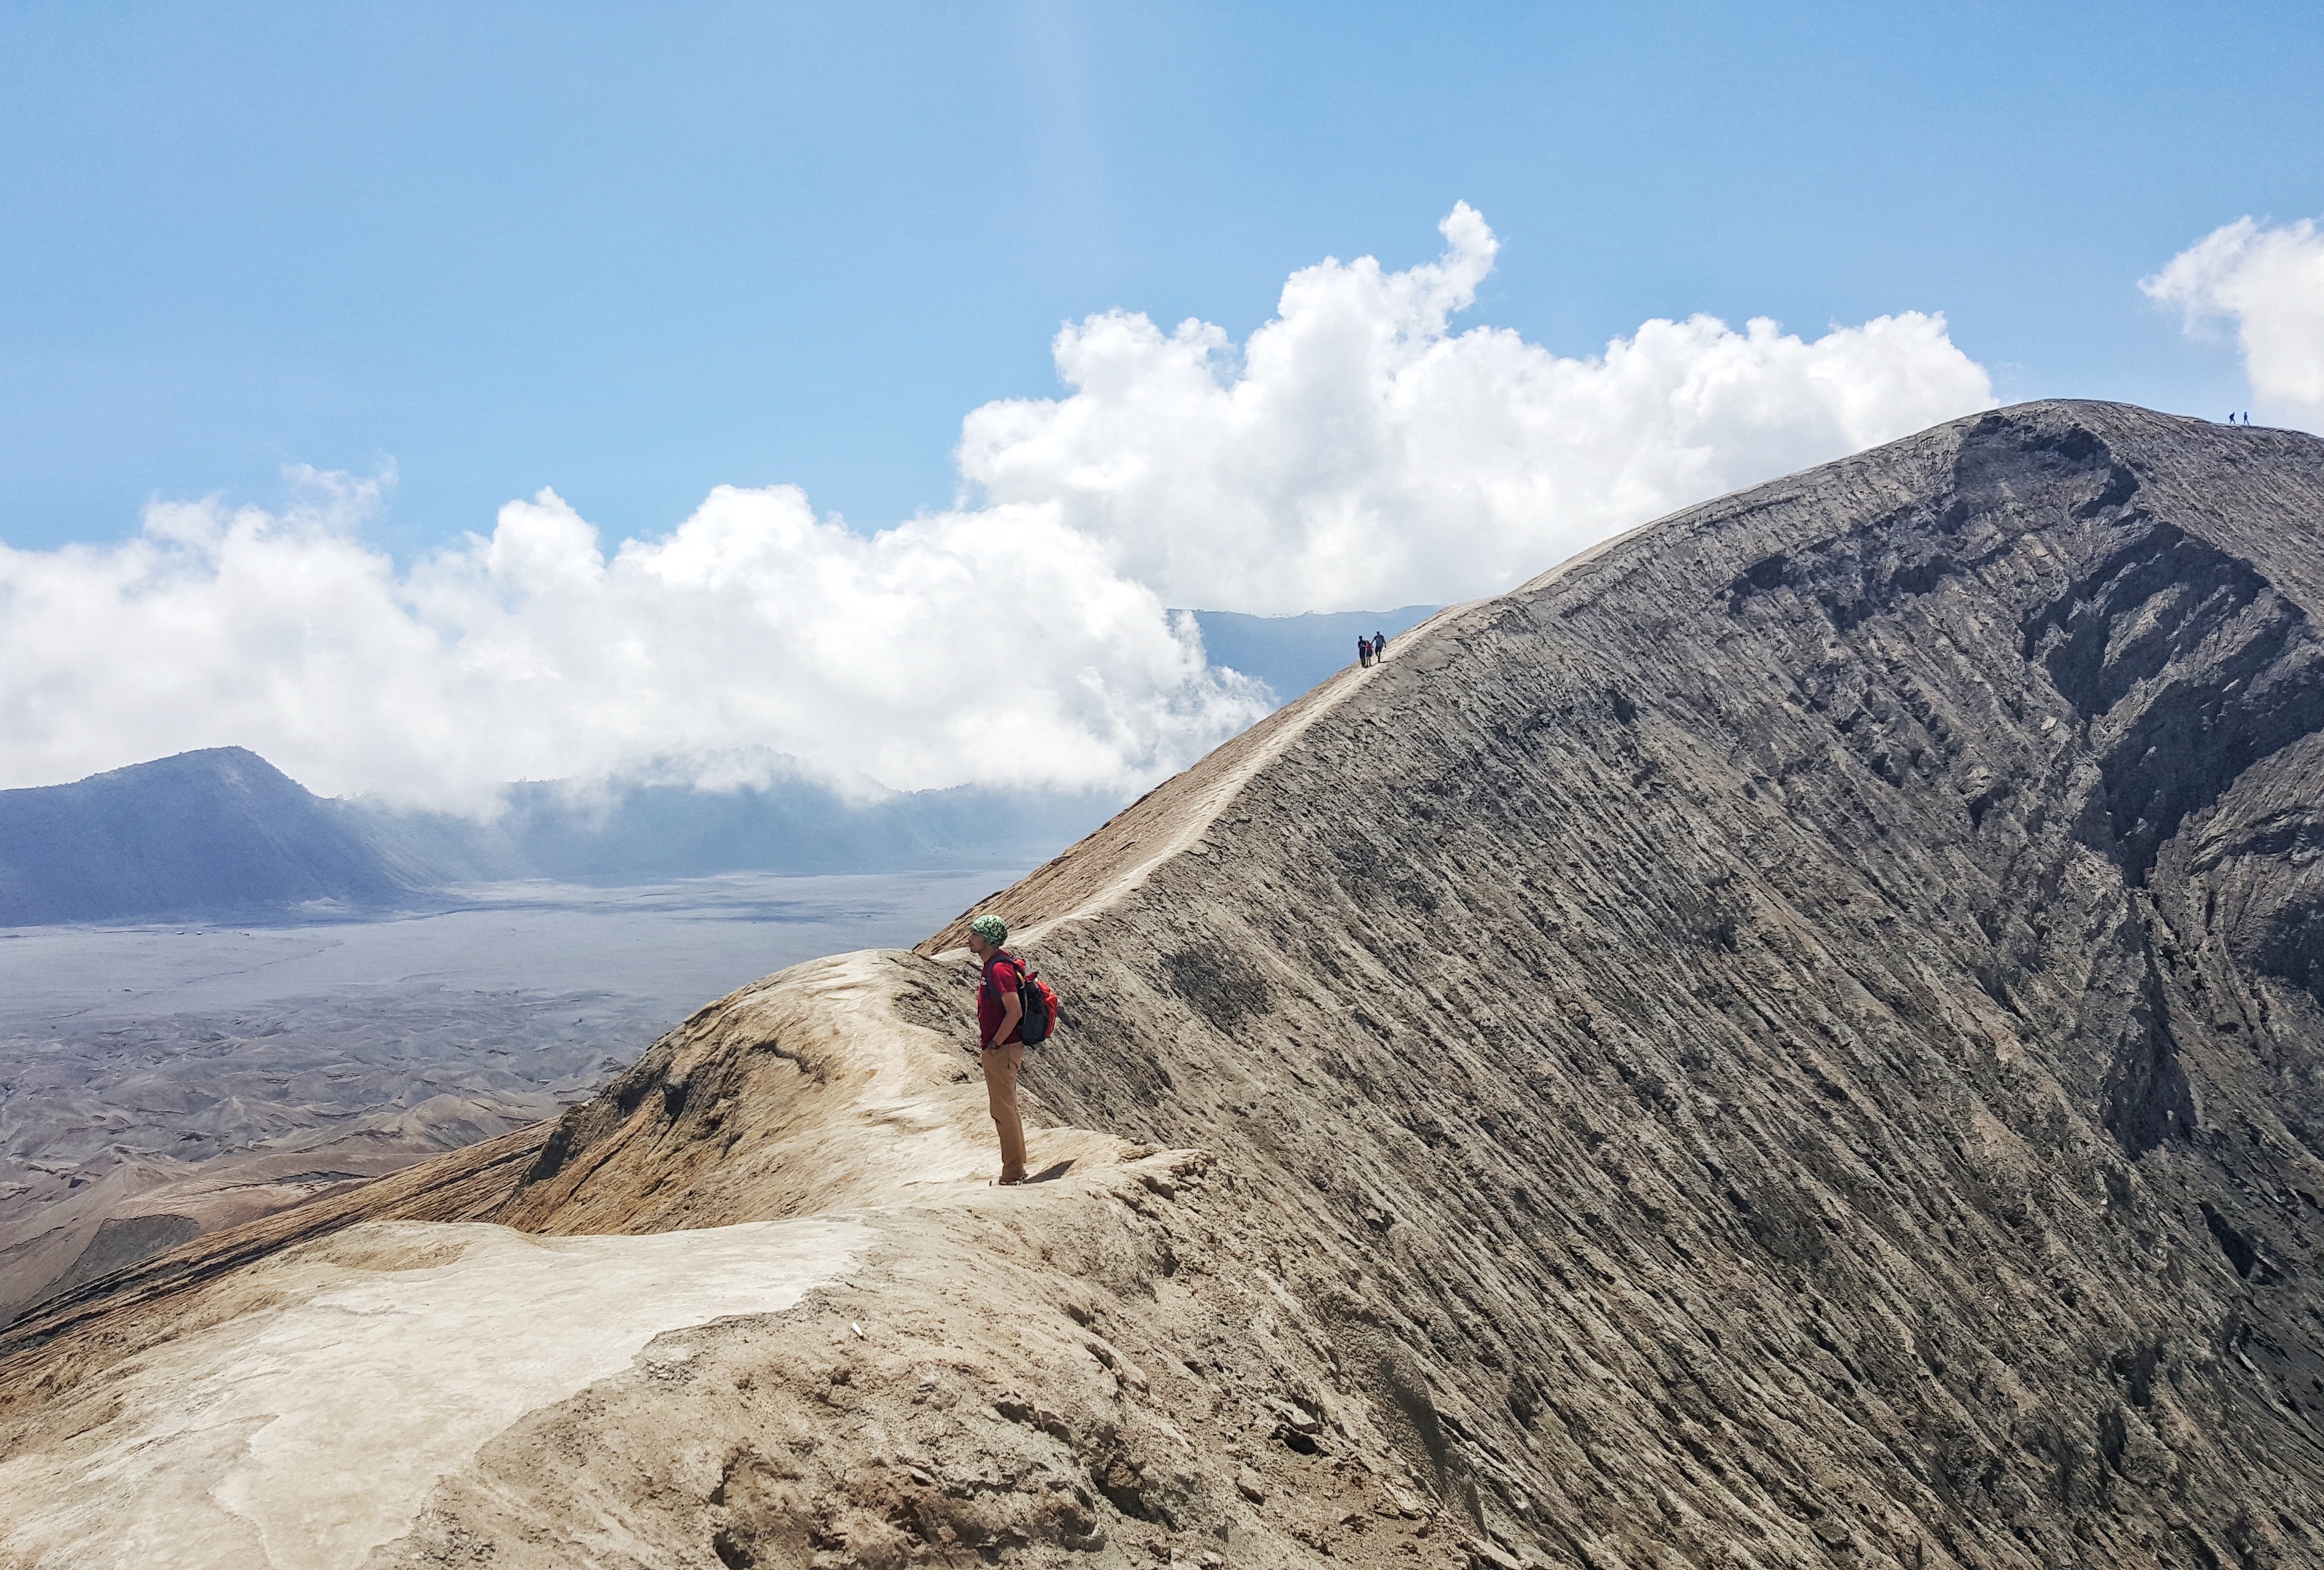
(1042, 1013)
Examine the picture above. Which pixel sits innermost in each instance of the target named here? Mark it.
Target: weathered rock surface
(1805, 1023)
(1796, 1038)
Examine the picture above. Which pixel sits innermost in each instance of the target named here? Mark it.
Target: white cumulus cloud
(2270, 280)
(1355, 452)
(994, 647)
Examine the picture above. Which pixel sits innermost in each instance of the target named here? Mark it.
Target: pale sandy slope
(304, 1418)
(333, 1384)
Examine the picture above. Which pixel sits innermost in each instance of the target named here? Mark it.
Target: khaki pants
(1000, 1066)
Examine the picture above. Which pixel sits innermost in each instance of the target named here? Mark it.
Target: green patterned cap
(991, 928)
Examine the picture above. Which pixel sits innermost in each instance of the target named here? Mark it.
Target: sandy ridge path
(798, 1134)
(1108, 865)
(1101, 868)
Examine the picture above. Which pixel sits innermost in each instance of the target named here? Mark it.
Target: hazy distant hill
(224, 833)
(213, 833)
(644, 833)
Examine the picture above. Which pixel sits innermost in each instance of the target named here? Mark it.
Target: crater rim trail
(1198, 793)
(1794, 1038)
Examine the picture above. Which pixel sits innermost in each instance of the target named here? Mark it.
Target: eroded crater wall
(1810, 1015)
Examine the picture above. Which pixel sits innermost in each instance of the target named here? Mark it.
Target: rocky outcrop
(1794, 1039)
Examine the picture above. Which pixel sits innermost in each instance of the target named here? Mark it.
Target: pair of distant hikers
(1373, 648)
(1013, 1007)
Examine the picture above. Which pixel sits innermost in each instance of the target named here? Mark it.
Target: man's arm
(1012, 1009)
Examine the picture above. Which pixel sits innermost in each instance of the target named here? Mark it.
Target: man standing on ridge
(997, 1011)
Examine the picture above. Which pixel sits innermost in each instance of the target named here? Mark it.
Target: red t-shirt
(1000, 978)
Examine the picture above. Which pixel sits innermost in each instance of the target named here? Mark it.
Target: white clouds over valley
(993, 648)
(1355, 452)
(2270, 280)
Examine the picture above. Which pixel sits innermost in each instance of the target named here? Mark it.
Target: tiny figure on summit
(1379, 645)
(1364, 652)
(1002, 1030)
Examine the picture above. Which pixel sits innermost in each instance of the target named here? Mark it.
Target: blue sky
(635, 252)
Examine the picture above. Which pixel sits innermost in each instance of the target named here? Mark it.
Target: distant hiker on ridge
(1379, 645)
(997, 1011)
(1364, 652)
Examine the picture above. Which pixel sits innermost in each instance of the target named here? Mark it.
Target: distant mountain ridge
(216, 832)
(223, 834)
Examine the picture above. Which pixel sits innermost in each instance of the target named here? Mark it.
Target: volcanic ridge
(1795, 1038)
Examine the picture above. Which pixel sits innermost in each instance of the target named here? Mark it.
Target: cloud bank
(2270, 282)
(994, 648)
(1354, 452)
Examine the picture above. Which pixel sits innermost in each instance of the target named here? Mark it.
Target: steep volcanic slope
(1807, 1018)
(1794, 1039)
